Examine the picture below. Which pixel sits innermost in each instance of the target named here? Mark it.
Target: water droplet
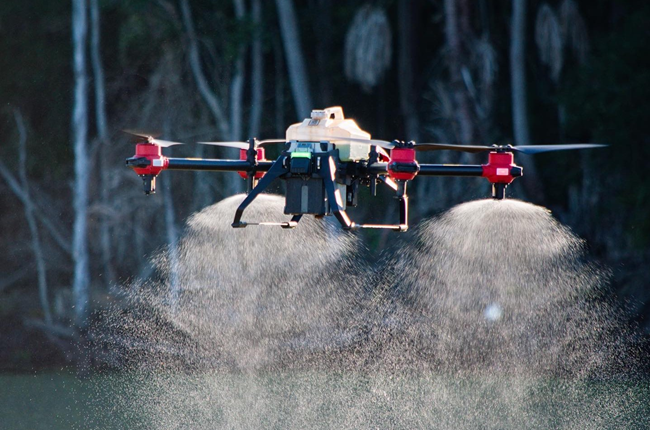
(493, 312)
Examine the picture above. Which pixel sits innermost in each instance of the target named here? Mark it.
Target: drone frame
(327, 154)
(401, 167)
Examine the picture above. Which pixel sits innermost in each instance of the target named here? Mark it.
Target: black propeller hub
(503, 148)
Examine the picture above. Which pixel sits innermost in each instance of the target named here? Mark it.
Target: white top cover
(325, 125)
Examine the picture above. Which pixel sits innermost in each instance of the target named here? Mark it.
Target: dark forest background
(75, 225)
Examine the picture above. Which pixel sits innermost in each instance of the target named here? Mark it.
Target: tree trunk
(295, 60)
(280, 123)
(323, 54)
(257, 72)
(234, 184)
(405, 76)
(98, 72)
(457, 32)
(465, 125)
(518, 73)
(81, 281)
(102, 131)
(531, 182)
(237, 82)
(407, 99)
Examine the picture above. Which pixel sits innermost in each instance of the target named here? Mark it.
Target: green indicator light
(301, 154)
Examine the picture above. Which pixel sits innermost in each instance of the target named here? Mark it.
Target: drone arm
(500, 171)
(216, 165)
(451, 170)
(435, 169)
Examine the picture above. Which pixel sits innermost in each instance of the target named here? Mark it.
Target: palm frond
(484, 61)
(368, 47)
(548, 37)
(574, 30)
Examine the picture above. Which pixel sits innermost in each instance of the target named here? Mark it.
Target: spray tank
(330, 122)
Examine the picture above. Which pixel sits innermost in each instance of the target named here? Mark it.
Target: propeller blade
(164, 143)
(382, 143)
(151, 138)
(447, 146)
(243, 145)
(536, 149)
(525, 149)
(238, 145)
(265, 141)
(142, 134)
(383, 152)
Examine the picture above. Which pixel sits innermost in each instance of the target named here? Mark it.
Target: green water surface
(317, 400)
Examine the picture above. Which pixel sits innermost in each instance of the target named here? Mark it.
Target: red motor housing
(243, 155)
(153, 153)
(500, 168)
(403, 166)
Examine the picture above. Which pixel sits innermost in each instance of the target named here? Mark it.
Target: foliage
(607, 101)
(601, 83)
(36, 77)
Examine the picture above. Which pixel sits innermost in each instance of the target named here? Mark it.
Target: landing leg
(333, 194)
(293, 223)
(276, 170)
(403, 201)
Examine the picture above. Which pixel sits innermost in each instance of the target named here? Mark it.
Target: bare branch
(16, 188)
(61, 238)
(51, 329)
(22, 190)
(210, 97)
(7, 280)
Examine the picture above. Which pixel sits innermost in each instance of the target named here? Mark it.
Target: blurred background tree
(448, 70)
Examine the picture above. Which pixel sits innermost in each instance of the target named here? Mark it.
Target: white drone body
(328, 126)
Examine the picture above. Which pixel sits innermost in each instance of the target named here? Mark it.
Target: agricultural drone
(325, 160)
